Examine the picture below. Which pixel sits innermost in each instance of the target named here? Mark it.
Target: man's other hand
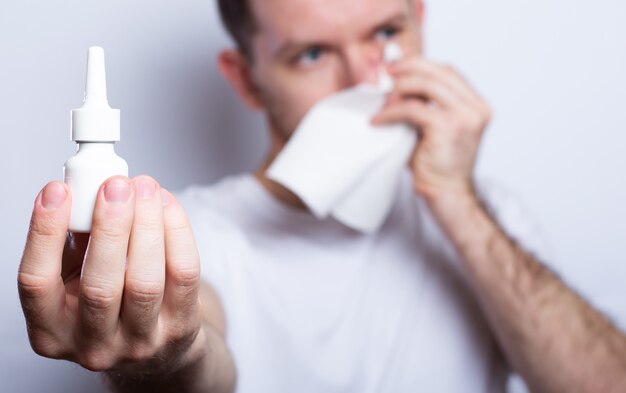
(450, 118)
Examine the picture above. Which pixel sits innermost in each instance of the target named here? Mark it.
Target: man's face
(305, 50)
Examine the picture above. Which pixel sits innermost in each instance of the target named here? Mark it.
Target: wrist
(160, 373)
(174, 358)
(461, 215)
(448, 198)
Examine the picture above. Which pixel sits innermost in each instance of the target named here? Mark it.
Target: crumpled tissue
(342, 166)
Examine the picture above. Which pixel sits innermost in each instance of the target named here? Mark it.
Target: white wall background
(552, 69)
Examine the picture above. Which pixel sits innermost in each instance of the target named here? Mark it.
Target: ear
(235, 68)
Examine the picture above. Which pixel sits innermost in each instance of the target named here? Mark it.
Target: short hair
(238, 20)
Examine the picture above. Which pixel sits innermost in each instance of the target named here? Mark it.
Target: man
(440, 299)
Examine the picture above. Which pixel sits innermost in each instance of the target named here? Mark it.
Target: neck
(277, 190)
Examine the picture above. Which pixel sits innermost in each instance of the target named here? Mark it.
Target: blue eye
(310, 55)
(386, 33)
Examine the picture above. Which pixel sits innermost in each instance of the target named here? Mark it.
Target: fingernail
(53, 196)
(166, 197)
(145, 187)
(117, 190)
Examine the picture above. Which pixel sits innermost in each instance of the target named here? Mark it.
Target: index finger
(443, 73)
(40, 285)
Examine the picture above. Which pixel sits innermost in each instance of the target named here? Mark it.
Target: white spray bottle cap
(391, 53)
(95, 121)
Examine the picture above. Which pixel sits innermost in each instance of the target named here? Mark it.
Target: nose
(361, 65)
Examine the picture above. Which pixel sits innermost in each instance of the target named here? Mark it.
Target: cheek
(303, 96)
(294, 93)
(411, 43)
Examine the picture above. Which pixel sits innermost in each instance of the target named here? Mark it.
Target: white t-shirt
(313, 306)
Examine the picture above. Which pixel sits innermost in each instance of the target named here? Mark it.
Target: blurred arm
(550, 335)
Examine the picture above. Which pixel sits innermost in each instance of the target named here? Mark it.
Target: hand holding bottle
(110, 276)
(127, 302)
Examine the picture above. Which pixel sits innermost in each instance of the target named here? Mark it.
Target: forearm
(206, 367)
(550, 335)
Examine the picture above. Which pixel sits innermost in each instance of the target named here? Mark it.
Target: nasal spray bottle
(391, 54)
(95, 129)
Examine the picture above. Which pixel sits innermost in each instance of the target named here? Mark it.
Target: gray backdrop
(552, 70)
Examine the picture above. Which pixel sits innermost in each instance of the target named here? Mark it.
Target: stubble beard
(277, 119)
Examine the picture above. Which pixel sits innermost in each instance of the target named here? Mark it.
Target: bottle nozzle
(95, 121)
(96, 86)
(392, 52)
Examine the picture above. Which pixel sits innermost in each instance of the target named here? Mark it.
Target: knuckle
(144, 292)
(97, 360)
(33, 286)
(188, 277)
(45, 345)
(140, 351)
(98, 297)
(182, 333)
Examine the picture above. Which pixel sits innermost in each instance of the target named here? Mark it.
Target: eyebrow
(289, 47)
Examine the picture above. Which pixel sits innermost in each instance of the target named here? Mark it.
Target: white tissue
(342, 166)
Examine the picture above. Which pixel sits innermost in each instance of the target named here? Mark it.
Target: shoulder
(220, 201)
(215, 217)
(196, 198)
(214, 211)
